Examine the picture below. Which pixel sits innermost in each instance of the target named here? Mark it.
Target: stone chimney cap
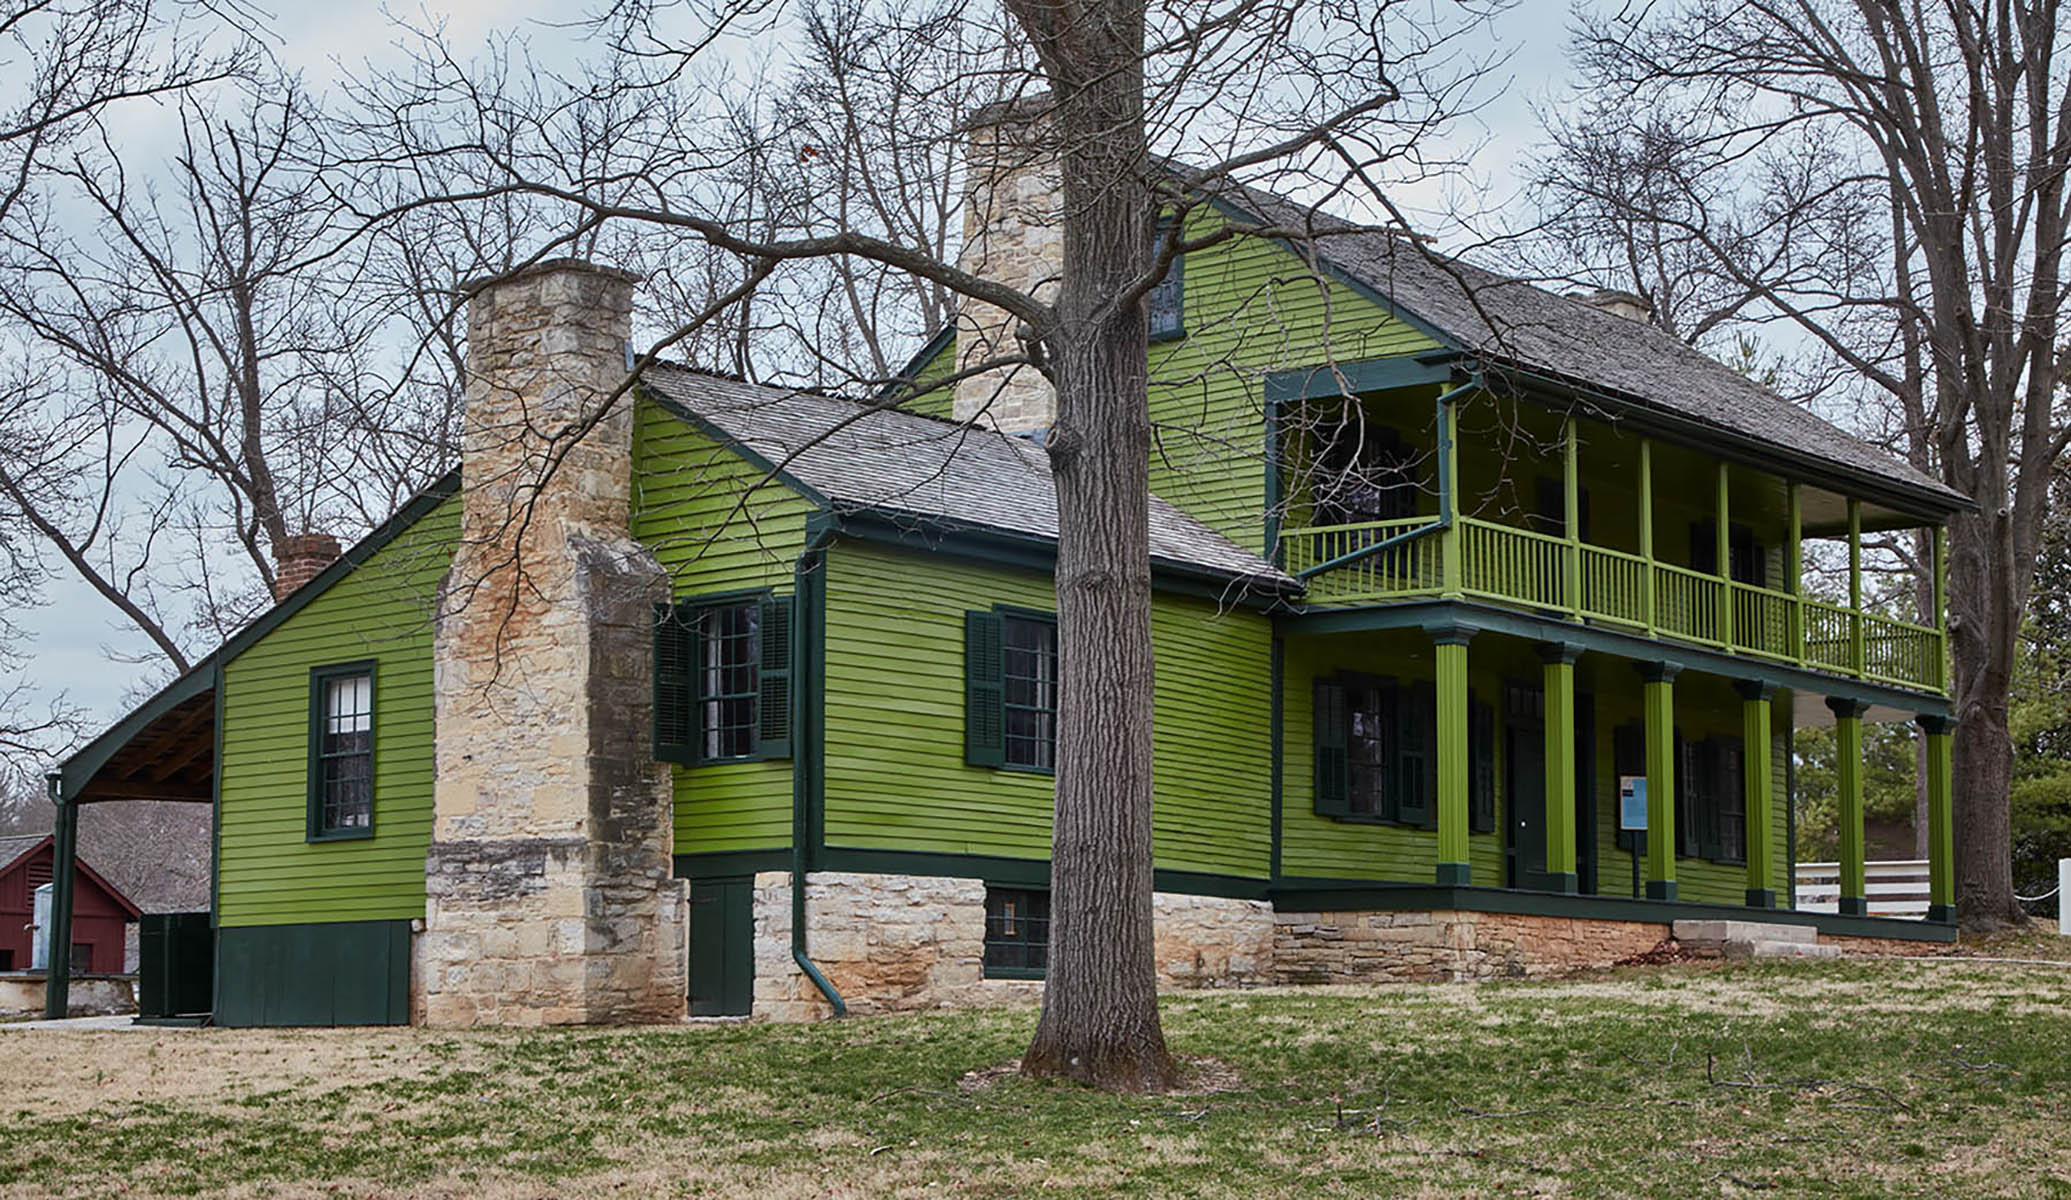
(1019, 110)
(1618, 303)
(548, 266)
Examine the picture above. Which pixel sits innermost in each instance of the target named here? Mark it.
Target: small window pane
(1366, 749)
(1017, 929)
(731, 654)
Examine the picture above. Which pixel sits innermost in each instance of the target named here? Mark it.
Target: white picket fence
(1896, 889)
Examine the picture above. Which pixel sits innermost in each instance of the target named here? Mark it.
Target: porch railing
(1599, 586)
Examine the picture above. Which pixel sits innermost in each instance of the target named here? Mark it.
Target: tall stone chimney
(1014, 233)
(551, 896)
(299, 558)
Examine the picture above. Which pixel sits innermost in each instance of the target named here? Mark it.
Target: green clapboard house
(1457, 581)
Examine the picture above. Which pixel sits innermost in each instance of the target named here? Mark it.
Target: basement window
(341, 752)
(1017, 932)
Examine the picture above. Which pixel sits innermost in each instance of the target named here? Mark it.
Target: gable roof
(1509, 321)
(14, 849)
(857, 457)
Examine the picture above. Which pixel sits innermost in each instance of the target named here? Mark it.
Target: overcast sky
(77, 639)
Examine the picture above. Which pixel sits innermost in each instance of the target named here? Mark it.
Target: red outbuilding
(99, 912)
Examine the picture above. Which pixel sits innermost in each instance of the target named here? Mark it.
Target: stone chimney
(1619, 304)
(299, 558)
(1014, 233)
(550, 889)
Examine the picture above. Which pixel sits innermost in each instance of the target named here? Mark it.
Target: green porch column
(1647, 531)
(1449, 574)
(1571, 515)
(1450, 644)
(1559, 659)
(57, 984)
(1722, 546)
(1760, 805)
(1659, 705)
(1793, 571)
(1941, 821)
(1857, 648)
(1848, 782)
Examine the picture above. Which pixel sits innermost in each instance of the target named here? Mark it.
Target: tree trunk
(1984, 619)
(1100, 1001)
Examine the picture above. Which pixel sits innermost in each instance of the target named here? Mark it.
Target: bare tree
(1889, 182)
(1145, 109)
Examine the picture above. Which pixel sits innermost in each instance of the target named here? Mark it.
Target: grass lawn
(1848, 1079)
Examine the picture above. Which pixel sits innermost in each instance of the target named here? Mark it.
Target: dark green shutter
(1690, 786)
(1729, 804)
(985, 718)
(773, 698)
(675, 685)
(1481, 749)
(1416, 754)
(1331, 727)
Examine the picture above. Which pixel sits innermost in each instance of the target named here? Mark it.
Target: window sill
(1015, 973)
(342, 835)
(1171, 335)
(1018, 769)
(1359, 820)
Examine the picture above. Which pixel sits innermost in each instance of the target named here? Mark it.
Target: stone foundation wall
(22, 995)
(1881, 947)
(1426, 947)
(896, 943)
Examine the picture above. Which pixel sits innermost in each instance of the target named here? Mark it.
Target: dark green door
(722, 946)
(1525, 786)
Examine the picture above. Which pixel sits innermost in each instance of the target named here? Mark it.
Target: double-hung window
(341, 752)
(1166, 303)
(1010, 689)
(722, 679)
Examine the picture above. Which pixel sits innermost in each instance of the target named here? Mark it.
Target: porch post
(1647, 531)
(1559, 659)
(1793, 559)
(1760, 806)
(1659, 705)
(1856, 657)
(1449, 539)
(1941, 824)
(1571, 519)
(1848, 781)
(1450, 644)
(57, 983)
(1940, 546)
(1722, 547)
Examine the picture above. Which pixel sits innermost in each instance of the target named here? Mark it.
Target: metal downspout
(809, 591)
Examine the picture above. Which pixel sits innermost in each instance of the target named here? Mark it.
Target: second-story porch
(1417, 493)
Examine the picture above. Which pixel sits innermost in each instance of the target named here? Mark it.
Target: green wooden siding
(688, 508)
(896, 777)
(929, 400)
(270, 874)
(1252, 307)
(1324, 847)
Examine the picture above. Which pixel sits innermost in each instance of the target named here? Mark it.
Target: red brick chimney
(299, 558)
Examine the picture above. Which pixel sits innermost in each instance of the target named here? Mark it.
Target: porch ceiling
(165, 750)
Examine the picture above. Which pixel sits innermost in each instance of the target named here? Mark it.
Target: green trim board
(1417, 614)
(1365, 375)
(719, 863)
(1302, 894)
(313, 974)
